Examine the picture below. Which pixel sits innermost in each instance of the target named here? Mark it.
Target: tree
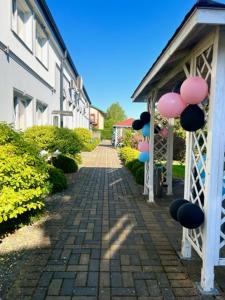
(115, 112)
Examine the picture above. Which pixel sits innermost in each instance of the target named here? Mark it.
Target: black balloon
(192, 118)
(137, 125)
(175, 205)
(145, 117)
(190, 216)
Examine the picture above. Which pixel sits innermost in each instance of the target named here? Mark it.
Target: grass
(178, 170)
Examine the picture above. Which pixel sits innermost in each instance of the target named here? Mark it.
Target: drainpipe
(61, 87)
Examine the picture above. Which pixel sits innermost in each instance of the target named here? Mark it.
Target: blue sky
(114, 42)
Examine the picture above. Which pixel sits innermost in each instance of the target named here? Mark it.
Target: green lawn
(178, 170)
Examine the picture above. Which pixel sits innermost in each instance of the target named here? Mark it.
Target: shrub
(51, 138)
(128, 154)
(106, 134)
(139, 175)
(23, 175)
(86, 142)
(136, 164)
(57, 179)
(65, 163)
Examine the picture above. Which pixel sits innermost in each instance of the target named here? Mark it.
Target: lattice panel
(222, 227)
(203, 68)
(160, 152)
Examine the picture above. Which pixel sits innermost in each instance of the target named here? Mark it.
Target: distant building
(97, 117)
(39, 82)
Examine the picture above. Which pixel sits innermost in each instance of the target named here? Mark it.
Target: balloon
(164, 132)
(190, 216)
(175, 205)
(146, 130)
(145, 117)
(137, 125)
(194, 90)
(144, 156)
(192, 118)
(171, 105)
(143, 146)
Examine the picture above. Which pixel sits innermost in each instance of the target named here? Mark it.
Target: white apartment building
(39, 83)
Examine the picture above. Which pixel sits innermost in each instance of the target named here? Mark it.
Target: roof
(199, 4)
(125, 123)
(49, 17)
(101, 111)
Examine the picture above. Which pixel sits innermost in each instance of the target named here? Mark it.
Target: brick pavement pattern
(106, 243)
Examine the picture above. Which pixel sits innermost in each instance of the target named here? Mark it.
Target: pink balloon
(143, 146)
(171, 105)
(164, 132)
(194, 90)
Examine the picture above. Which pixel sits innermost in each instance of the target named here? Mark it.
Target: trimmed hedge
(65, 163)
(129, 157)
(52, 138)
(128, 154)
(24, 178)
(57, 179)
(86, 142)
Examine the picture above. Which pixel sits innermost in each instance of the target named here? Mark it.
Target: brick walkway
(102, 241)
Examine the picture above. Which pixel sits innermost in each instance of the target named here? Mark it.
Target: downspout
(61, 87)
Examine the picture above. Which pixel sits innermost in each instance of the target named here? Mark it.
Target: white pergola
(197, 48)
(118, 129)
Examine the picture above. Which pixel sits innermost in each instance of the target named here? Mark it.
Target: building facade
(39, 83)
(97, 118)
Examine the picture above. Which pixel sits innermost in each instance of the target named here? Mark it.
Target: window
(22, 112)
(41, 45)
(41, 113)
(22, 21)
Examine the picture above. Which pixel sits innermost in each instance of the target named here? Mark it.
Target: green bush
(51, 138)
(57, 179)
(65, 163)
(23, 175)
(136, 164)
(106, 134)
(86, 142)
(128, 154)
(139, 175)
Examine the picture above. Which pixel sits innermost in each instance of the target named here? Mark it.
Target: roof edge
(59, 38)
(200, 4)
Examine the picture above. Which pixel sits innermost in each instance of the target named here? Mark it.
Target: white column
(169, 164)
(151, 151)
(116, 141)
(146, 165)
(214, 166)
(186, 250)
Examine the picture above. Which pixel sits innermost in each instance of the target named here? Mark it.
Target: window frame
(40, 60)
(29, 45)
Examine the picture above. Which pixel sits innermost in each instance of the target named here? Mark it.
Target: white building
(38, 79)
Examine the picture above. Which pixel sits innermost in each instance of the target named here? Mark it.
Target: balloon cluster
(185, 105)
(144, 124)
(189, 215)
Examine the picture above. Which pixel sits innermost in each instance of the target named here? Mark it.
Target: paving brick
(116, 279)
(54, 287)
(85, 291)
(81, 279)
(67, 287)
(93, 278)
(104, 280)
(127, 279)
(141, 288)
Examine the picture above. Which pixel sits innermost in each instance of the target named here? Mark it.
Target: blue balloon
(146, 130)
(144, 156)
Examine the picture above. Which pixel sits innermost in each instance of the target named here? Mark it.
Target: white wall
(21, 70)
